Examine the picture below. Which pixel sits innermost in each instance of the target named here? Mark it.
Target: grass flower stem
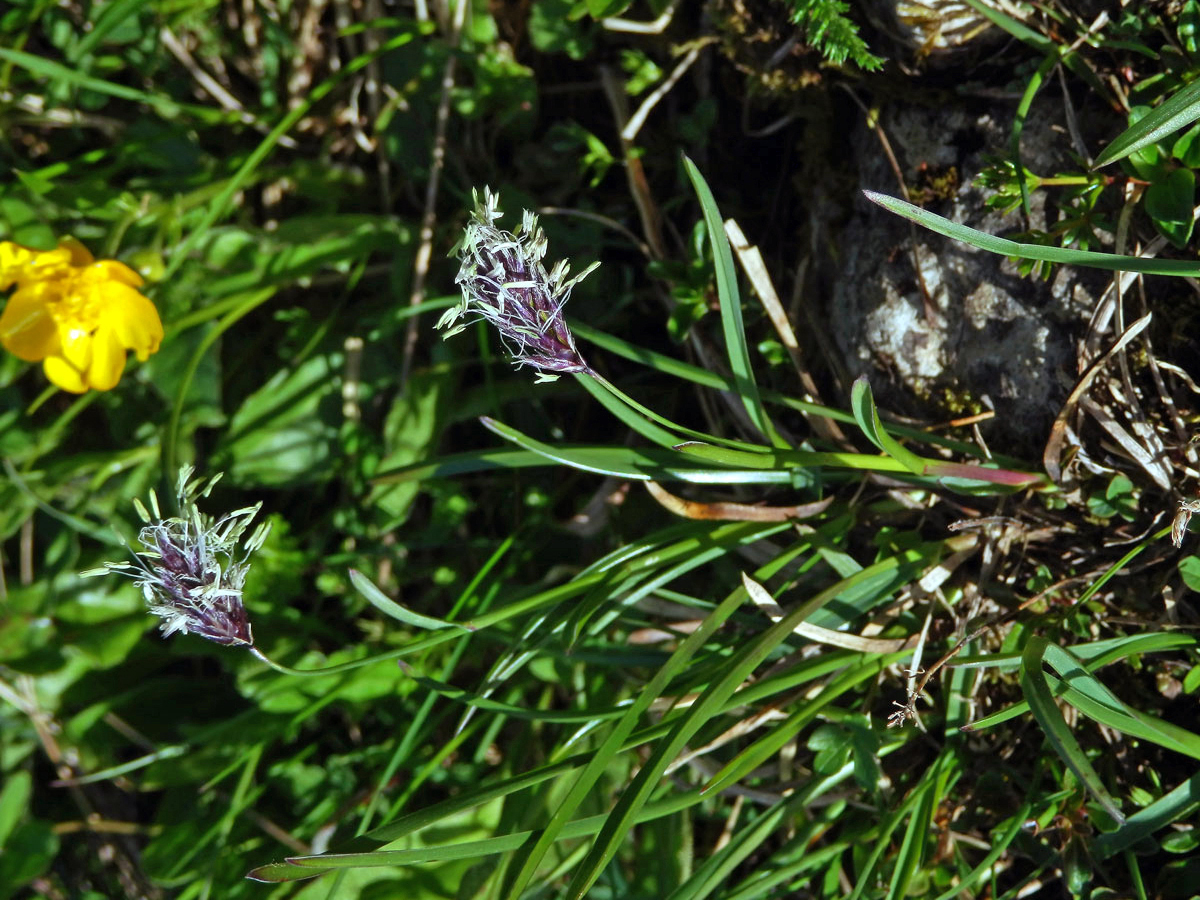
(586, 378)
(326, 670)
(749, 455)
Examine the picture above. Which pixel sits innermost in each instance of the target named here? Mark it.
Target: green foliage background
(620, 718)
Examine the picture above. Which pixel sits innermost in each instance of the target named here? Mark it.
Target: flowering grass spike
(77, 315)
(504, 282)
(190, 569)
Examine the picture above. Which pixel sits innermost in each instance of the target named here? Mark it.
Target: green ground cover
(694, 618)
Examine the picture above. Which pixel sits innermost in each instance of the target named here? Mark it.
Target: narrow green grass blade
(393, 832)
(768, 746)
(1020, 31)
(630, 462)
(792, 459)
(629, 573)
(390, 607)
(731, 308)
(631, 412)
(1182, 109)
(247, 304)
(711, 874)
(47, 68)
(604, 754)
(470, 698)
(455, 464)
(1181, 803)
(1036, 80)
(920, 826)
(1041, 704)
(804, 673)
(299, 867)
(1095, 654)
(766, 886)
(419, 727)
(1072, 60)
(108, 774)
(1120, 564)
(640, 463)
(707, 705)
(93, 530)
(636, 422)
(1005, 247)
(1119, 717)
(677, 369)
(881, 840)
(866, 414)
(717, 544)
(967, 884)
(111, 16)
(1090, 696)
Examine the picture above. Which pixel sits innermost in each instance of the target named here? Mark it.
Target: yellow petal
(26, 328)
(111, 270)
(14, 259)
(108, 361)
(76, 347)
(77, 254)
(132, 318)
(62, 374)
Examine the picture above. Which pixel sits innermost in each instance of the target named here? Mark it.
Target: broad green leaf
(22, 224)
(286, 431)
(1169, 203)
(29, 852)
(1188, 27)
(14, 801)
(1187, 147)
(1189, 571)
(410, 431)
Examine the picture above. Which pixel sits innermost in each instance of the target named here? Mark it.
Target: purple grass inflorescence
(503, 281)
(190, 568)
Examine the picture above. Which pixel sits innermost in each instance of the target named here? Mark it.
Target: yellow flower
(76, 315)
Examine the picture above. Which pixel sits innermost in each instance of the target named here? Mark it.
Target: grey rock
(988, 337)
